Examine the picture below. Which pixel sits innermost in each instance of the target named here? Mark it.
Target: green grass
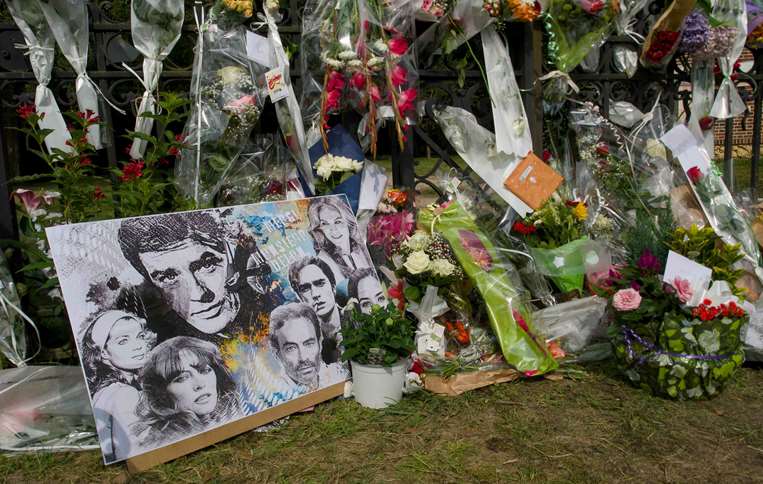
(593, 429)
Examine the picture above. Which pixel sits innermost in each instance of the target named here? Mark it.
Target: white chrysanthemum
(442, 268)
(346, 55)
(355, 64)
(418, 241)
(374, 62)
(379, 46)
(336, 63)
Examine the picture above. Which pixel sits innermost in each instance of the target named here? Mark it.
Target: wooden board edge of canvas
(153, 458)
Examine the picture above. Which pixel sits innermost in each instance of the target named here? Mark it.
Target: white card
(686, 148)
(277, 87)
(699, 276)
(372, 185)
(431, 338)
(260, 50)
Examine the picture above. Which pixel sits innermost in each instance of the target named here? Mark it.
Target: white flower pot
(375, 386)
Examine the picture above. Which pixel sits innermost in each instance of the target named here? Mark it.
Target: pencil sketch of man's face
(192, 277)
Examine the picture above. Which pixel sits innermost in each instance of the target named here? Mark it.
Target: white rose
(417, 262)
(442, 268)
(343, 163)
(418, 241)
(357, 165)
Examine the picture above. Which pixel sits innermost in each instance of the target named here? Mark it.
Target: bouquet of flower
(500, 293)
(558, 242)
(754, 24)
(228, 13)
(355, 54)
(577, 26)
(333, 170)
(713, 195)
(155, 27)
(228, 93)
(426, 260)
(258, 174)
(41, 48)
(392, 223)
(69, 23)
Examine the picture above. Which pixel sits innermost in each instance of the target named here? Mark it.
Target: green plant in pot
(377, 345)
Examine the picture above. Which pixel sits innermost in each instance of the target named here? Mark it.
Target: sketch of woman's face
(335, 228)
(128, 345)
(195, 388)
(370, 294)
(192, 279)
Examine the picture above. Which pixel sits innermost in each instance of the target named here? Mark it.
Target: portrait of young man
(313, 281)
(195, 283)
(295, 336)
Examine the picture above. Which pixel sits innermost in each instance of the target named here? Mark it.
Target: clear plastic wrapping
(495, 279)
(665, 35)
(155, 27)
(574, 324)
(41, 48)
(357, 55)
(575, 27)
(728, 103)
(69, 22)
(228, 94)
(45, 409)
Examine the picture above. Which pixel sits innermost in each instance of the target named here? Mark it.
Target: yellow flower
(580, 211)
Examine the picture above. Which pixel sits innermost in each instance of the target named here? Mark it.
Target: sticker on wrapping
(688, 278)
(259, 49)
(476, 249)
(533, 181)
(277, 88)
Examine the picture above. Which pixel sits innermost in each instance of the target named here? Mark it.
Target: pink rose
(683, 289)
(626, 300)
(398, 45)
(239, 104)
(399, 76)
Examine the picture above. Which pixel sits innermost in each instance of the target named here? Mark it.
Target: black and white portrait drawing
(187, 321)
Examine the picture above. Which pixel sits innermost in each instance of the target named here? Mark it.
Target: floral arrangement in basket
(664, 344)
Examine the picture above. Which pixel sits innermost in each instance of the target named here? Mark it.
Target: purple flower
(635, 286)
(648, 262)
(696, 33)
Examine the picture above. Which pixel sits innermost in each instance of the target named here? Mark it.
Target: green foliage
(145, 185)
(557, 223)
(704, 246)
(385, 332)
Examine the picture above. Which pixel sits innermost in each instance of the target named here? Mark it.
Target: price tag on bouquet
(277, 87)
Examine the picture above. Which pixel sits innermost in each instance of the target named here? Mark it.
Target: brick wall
(743, 129)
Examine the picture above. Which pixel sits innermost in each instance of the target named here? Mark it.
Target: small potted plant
(377, 345)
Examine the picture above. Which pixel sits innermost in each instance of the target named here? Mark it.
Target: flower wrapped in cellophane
(356, 55)
(228, 93)
(41, 47)
(155, 27)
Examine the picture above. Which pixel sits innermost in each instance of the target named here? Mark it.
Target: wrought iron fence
(111, 47)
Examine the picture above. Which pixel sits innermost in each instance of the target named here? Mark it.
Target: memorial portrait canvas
(188, 321)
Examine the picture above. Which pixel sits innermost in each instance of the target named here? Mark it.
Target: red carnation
(85, 161)
(706, 123)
